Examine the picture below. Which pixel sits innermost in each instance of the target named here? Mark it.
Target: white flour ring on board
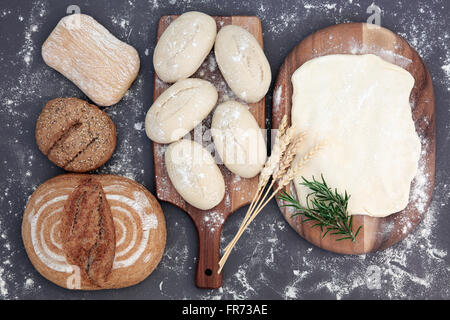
(139, 226)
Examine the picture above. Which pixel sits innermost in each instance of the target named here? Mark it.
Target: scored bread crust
(87, 231)
(140, 231)
(75, 135)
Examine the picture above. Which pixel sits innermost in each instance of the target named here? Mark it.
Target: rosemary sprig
(325, 207)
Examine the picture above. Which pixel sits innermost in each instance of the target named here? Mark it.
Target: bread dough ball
(179, 109)
(86, 53)
(238, 139)
(194, 174)
(359, 106)
(242, 62)
(183, 46)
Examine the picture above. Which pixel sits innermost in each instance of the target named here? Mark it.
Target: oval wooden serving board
(362, 38)
(239, 192)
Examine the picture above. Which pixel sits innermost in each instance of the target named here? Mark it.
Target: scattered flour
(446, 68)
(35, 20)
(29, 283)
(3, 289)
(417, 267)
(139, 126)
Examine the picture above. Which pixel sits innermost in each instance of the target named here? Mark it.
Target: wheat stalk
(278, 150)
(291, 151)
(285, 180)
(294, 170)
(278, 166)
(280, 145)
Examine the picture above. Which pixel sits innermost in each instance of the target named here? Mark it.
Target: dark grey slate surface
(271, 261)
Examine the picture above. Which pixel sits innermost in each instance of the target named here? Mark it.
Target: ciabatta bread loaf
(86, 53)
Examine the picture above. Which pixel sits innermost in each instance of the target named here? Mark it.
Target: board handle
(208, 256)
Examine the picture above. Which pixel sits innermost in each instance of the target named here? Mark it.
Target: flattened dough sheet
(359, 106)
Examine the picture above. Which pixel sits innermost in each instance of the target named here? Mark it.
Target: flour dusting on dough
(418, 267)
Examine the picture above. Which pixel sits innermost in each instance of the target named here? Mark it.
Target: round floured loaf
(139, 225)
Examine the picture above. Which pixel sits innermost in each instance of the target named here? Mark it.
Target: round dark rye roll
(75, 135)
(67, 219)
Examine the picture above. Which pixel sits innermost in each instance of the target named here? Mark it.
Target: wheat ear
(270, 166)
(284, 154)
(285, 163)
(286, 179)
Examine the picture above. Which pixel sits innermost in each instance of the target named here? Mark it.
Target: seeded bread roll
(75, 135)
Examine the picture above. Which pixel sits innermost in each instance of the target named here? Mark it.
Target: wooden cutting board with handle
(362, 38)
(239, 191)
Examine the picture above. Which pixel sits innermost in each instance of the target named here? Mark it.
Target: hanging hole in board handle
(208, 272)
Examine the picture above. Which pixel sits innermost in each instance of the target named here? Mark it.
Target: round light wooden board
(362, 38)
